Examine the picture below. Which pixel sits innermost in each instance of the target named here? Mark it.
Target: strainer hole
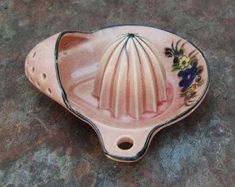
(44, 76)
(34, 54)
(49, 90)
(32, 69)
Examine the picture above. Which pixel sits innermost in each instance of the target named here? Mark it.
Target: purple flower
(188, 76)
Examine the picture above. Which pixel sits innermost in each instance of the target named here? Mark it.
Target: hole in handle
(125, 143)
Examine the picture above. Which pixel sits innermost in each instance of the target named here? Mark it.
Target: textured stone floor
(41, 144)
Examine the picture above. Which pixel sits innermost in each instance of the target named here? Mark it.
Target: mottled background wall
(41, 144)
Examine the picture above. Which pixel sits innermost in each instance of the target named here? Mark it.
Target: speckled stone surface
(41, 144)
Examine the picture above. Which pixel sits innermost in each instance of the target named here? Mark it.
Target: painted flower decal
(189, 71)
(187, 75)
(184, 61)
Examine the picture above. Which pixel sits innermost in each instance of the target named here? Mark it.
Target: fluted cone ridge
(131, 80)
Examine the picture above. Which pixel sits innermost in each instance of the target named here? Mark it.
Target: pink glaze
(127, 94)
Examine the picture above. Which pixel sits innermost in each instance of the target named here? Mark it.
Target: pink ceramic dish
(127, 82)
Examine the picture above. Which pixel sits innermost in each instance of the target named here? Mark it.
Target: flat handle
(126, 145)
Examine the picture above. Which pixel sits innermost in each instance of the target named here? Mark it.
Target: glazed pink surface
(40, 69)
(121, 112)
(131, 81)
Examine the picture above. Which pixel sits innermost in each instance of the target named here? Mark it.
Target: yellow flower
(184, 61)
